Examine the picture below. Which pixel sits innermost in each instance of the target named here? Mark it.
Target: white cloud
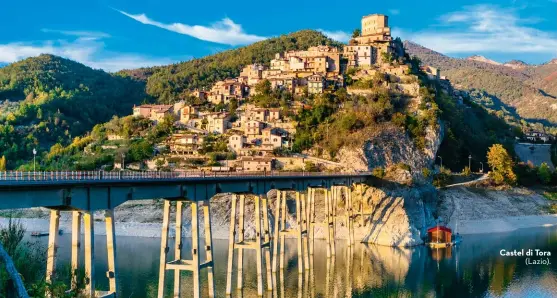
(336, 35)
(224, 31)
(488, 29)
(90, 52)
(394, 12)
(80, 34)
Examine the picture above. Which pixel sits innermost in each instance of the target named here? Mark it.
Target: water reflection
(473, 269)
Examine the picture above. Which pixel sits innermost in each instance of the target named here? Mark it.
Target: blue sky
(114, 35)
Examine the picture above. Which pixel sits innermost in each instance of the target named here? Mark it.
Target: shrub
(310, 167)
(403, 166)
(378, 172)
(466, 171)
(544, 173)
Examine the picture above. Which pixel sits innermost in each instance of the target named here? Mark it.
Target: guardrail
(150, 175)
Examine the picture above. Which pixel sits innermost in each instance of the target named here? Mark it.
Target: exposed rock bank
(394, 216)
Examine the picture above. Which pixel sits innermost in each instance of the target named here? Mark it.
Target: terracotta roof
(439, 228)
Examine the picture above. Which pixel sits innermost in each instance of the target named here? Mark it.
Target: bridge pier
(281, 231)
(329, 223)
(178, 264)
(261, 208)
(340, 191)
(359, 189)
(89, 238)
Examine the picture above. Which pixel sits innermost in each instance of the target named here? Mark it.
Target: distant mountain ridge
(526, 92)
(483, 59)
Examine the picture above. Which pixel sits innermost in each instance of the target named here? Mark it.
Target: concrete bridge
(82, 193)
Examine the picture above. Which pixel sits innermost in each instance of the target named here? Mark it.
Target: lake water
(473, 269)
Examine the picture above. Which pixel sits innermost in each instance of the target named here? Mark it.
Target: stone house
(202, 95)
(236, 142)
(263, 114)
(274, 114)
(256, 164)
(322, 59)
(253, 128)
(188, 112)
(316, 84)
(153, 112)
(224, 91)
(433, 73)
(217, 122)
(114, 137)
(271, 136)
(252, 74)
(186, 144)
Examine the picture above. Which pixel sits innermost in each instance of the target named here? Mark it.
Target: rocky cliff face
(390, 147)
(397, 217)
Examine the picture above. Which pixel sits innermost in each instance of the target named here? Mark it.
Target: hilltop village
(236, 113)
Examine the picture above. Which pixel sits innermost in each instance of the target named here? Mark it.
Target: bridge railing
(150, 175)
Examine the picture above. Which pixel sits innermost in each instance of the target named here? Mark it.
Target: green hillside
(172, 82)
(48, 99)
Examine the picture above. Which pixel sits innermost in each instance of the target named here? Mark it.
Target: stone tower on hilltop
(367, 49)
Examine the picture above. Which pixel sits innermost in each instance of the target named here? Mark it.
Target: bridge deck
(94, 190)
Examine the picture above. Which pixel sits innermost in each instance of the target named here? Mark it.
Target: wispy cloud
(487, 29)
(336, 35)
(85, 49)
(225, 31)
(80, 34)
(394, 11)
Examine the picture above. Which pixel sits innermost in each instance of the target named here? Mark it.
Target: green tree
(501, 164)
(233, 106)
(357, 32)
(544, 173)
(159, 163)
(263, 87)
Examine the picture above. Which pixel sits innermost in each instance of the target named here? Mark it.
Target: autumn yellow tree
(3, 163)
(501, 165)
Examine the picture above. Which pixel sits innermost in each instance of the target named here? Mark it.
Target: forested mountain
(47, 99)
(524, 92)
(172, 82)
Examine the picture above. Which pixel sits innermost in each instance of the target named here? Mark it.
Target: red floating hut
(440, 234)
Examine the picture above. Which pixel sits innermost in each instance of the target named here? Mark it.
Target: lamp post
(482, 166)
(441, 158)
(470, 162)
(34, 158)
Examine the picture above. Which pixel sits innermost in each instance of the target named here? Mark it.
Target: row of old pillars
(338, 196)
(303, 231)
(89, 249)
